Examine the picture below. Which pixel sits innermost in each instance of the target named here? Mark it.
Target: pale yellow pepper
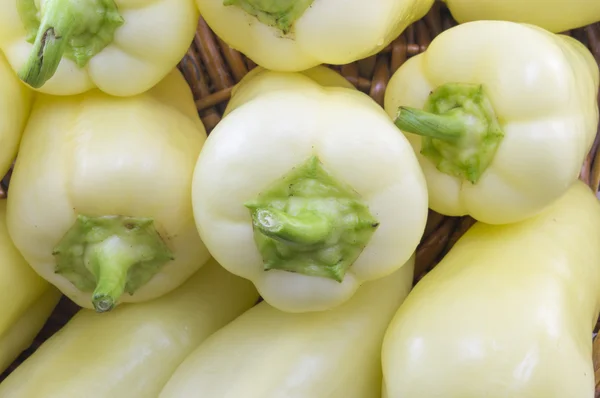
(15, 104)
(122, 47)
(100, 197)
(501, 116)
(267, 353)
(28, 300)
(553, 15)
(294, 35)
(308, 189)
(132, 351)
(509, 312)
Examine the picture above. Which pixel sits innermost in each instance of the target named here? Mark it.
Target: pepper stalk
(77, 29)
(111, 255)
(460, 130)
(310, 223)
(103, 234)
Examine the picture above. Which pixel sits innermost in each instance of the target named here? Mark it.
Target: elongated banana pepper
(100, 198)
(308, 189)
(15, 104)
(132, 351)
(267, 353)
(553, 15)
(509, 312)
(67, 47)
(501, 115)
(294, 35)
(29, 299)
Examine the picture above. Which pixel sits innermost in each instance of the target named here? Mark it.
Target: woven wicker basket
(212, 68)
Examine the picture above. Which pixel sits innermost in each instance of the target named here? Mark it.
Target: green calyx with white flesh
(459, 128)
(311, 224)
(280, 14)
(76, 29)
(110, 255)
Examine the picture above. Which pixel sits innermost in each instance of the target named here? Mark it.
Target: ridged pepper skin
(266, 353)
(501, 115)
(28, 299)
(100, 198)
(294, 35)
(132, 351)
(554, 15)
(122, 47)
(307, 189)
(509, 312)
(15, 104)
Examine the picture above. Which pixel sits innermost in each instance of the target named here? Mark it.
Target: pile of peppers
(275, 257)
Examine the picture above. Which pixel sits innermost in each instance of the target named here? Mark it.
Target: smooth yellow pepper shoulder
(15, 104)
(28, 300)
(132, 351)
(509, 312)
(291, 36)
(308, 189)
(267, 353)
(554, 15)
(501, 116)
(122, 47)
(100, 198)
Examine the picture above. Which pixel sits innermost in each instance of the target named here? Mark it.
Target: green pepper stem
(307, 228)
(310, 223)
(53, 34)
(280, 14)
(109, 261)
(441, 127)
(460, 132)
(110, 255)
(77, 28)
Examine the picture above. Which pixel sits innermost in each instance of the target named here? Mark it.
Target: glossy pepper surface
(509, 312)
(132, 351)
(100, 198)
(501, 115)
(28, 299)
(554, 15)
(294, 35)
(15, 104)
(308, 189)
(267, 353)
(122, 47)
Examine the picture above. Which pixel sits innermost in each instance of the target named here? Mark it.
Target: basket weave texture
(212, 68)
